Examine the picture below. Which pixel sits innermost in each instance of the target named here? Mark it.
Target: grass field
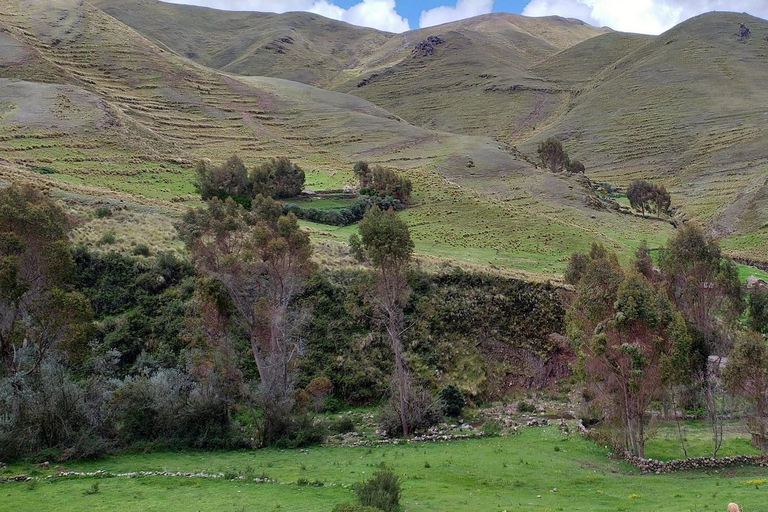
(539, 469)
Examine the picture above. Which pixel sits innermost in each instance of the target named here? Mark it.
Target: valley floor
(537, 469)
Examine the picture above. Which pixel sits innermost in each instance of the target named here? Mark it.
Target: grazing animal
(732, 507)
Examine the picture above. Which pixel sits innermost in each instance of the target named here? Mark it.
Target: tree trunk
(399, 368)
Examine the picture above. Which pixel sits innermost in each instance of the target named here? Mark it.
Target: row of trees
(658, 335)
(554, 158)
(645, 196)
(277, 178)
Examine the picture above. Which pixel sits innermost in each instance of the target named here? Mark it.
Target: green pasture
(539, 469)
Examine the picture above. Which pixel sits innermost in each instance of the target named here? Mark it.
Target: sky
(641, 16)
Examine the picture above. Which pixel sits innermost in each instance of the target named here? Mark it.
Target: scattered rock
(369, 80)
(426, 48)
(744, 32)
(672, 466)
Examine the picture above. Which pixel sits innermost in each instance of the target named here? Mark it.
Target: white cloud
(378, 14)
(643, 16)
(463, 9)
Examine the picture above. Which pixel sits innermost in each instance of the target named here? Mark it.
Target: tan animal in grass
(732, 507)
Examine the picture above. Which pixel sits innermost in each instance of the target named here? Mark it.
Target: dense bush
(378, 181)
(343, 216)
(452, 400)
(277, 178)
(381, 492)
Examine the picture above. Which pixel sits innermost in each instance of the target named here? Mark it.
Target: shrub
(343, 425)
(523, 406)
(108, 238)
(141, 250)
(491, 428)
(382, 491)
(452, 400)
(102, 212)
(422, 412)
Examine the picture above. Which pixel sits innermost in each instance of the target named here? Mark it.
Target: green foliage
(491, 428)
(383, 182)
(386, 238)
(523, 406)
(107, 238)
(631, 343)
(422, 411)
(102, 212)
(758, 310)
(644, 196)
(343, 216)
(746, 374)
(141, 250)
(452, 400)
(277, 178)
(552, 155)
(381, 492)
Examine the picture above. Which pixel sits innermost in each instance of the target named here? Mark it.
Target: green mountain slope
(116, 118)
(686, 109)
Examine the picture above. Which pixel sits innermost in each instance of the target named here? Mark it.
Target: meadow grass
(539, 469)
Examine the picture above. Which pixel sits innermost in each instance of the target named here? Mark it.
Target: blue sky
(412, 9)
(642, 16)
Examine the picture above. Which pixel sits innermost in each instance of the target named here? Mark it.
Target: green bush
(343, 425)
(491, 428)
(141, 250)
(102, 212)
(382, 491)
(452, 400)
(107, 238)
(523, 406)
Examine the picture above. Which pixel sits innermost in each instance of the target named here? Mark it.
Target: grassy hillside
(114, 115)
(93, 106)
(684, 110)
(297, 46)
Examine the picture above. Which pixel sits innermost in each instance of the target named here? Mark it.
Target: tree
(277, 178)
(363, 173)
(643, 262)
(661, 200)
(281, 177)
(705, 288)
(227, 180)
(758, 310)
(387, 243)
(383, 182)
(552, 155)
(630, 342)
(644, 196)
(640, 194)
(746, 374)
(39, 310)
(262, 259)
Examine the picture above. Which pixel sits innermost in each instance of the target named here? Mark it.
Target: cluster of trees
(649, 335)
(645, 196)
(278, 178)
(378, 181)
(554, 158)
